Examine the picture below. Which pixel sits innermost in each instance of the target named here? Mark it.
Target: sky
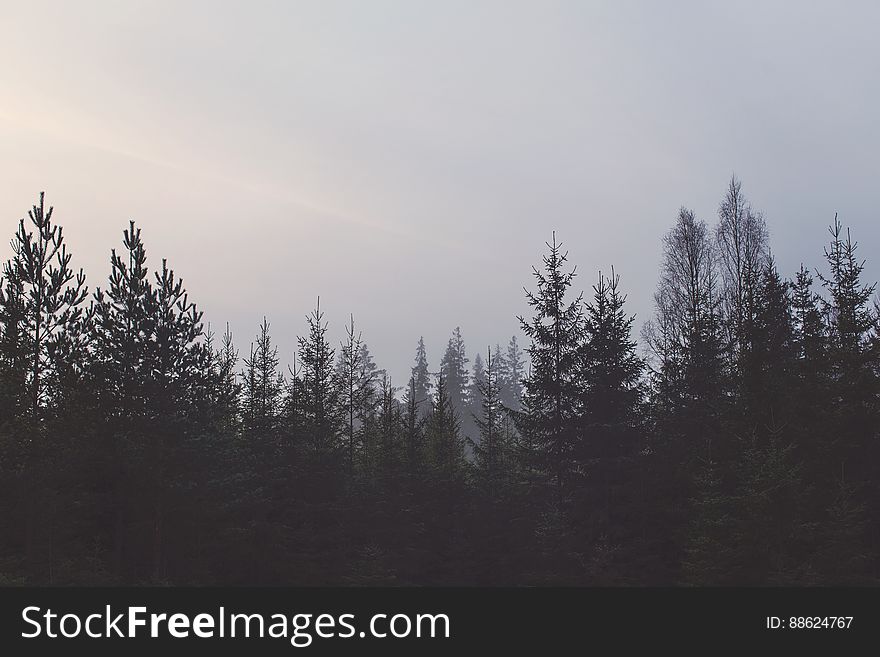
(407, 160)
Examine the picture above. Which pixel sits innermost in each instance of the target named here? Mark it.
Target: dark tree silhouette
(741, 450)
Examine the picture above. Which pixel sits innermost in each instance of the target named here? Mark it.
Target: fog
(406, 161)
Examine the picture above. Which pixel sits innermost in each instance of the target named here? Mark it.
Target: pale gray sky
(407, 160)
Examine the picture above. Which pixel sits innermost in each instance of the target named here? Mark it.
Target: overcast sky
(407, 160)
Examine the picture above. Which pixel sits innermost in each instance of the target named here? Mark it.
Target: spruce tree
(453, 369)
(552, 389)
(491, 451)
(421, 390)
(350, 369)
(263, 388)
(321, 395)
(510, 374)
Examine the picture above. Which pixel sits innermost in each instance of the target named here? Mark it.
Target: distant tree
(349, 370)
(443, 435)
(511, 373)
(470, 430)
(492, 449)
(13, 395)
(227, 389)
(453, 369)
(421, 380)
(321, 395)
(263, 387)
(413, 422)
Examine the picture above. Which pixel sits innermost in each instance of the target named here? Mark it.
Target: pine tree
(611, 369)
(808, 323)
(470, 430)
(320, 386)
(13, 395)
(48, 294)
(227, 389)
(443, 434)
(43, 317)
(178, 387)
(848, 308)
(511, 373)
(552, 388)
(421, 380)
(769, 357)
(491, 451)
(350, 370)
(122, 327)
(413, 423)
(263, 388)
(453, 369)
(853, 386)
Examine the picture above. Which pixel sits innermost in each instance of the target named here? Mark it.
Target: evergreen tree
(47, 294)
(611, 369)
(320, 386)
(552, 388)
(421, 392)
(470, 430)
(511, 373)
(453, 369)
(43, 317)
(443, 434)
(263, 388)
(349, 370)
(227, 389)
(491, 451)
(413, 423)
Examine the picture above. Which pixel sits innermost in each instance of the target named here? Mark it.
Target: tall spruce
(552, 389)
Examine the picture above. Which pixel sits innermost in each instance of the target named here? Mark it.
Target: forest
(731, 440)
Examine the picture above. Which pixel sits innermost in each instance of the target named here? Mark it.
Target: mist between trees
(740, 448)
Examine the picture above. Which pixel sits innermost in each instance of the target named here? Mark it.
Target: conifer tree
(43, 317)
(453, 369)
(320, 385)
(443, 434)
(808, 322)
(510, 374)
(470, 430)
(13, 396)
(421, 391)
(227, 389)
(350, 372)
(47, 293)
(263, 387)
(552, 388)
(413, 422)
(491, 450)
(611, 369)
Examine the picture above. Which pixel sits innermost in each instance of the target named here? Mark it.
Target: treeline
(739, 447)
